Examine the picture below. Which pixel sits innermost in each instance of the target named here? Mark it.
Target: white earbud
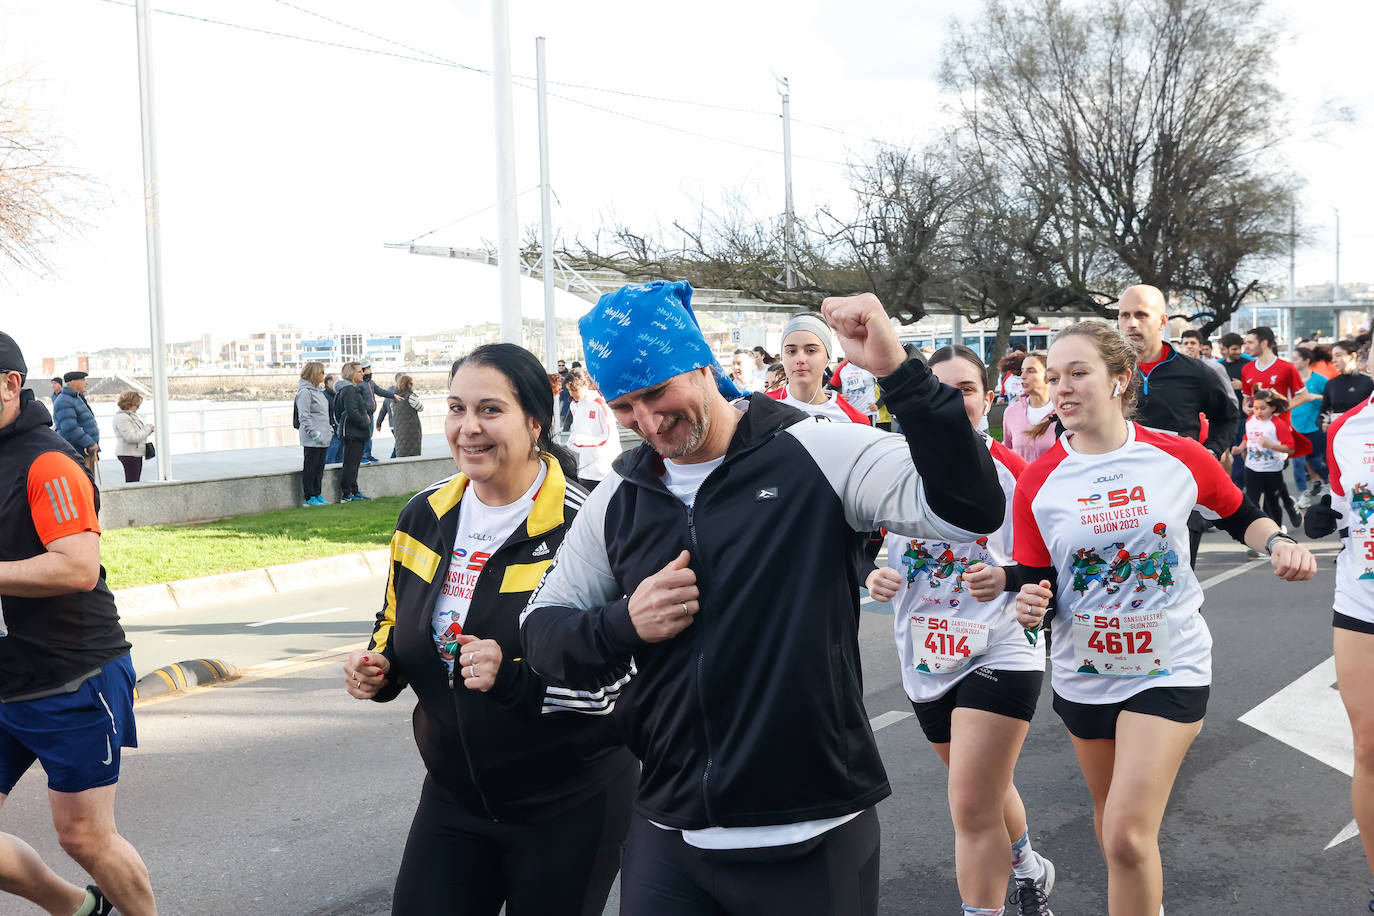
(1116, 389)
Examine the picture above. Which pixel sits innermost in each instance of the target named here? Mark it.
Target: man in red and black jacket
(66, 682)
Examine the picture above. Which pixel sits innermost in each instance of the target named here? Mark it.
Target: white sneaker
(1304, 500)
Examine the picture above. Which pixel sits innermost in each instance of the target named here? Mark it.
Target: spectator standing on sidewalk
(405, 418)
(334, 454)
(66, 682)
(384, 413)
(312, 413)
(74, 421)
(1175, 389)
(56, 387)
(371, 391)
(133, 435)
(355, 428)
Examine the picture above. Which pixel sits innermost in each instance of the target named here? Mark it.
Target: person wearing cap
(806, 346)
(57, 385)
(370, 391)
(74, 420)
(745, 705)
(66, 681)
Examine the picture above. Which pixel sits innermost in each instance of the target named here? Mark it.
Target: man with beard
(1176, 389)
(712, 570)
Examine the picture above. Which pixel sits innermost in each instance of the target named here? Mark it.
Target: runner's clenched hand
(663, 604)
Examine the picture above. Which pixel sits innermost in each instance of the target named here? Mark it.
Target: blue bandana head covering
(639, 336)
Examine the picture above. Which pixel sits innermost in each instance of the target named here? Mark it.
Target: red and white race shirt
(1280, 375)
(1257, 456)
(1350, 457)
(1115, 527)
(942, 633)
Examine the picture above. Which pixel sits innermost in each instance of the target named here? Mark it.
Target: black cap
(11, 360)
(73, 376)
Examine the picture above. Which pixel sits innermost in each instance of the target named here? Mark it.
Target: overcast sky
(286, 166)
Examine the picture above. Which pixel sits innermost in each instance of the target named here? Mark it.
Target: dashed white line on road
(888, 718)
(328, 610)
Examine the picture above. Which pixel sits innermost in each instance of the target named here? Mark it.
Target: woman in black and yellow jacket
(527, 794)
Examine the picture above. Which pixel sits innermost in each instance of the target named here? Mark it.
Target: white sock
(1025, 861)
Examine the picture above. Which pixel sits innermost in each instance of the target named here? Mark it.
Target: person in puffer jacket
(74, 421)
(312, 420)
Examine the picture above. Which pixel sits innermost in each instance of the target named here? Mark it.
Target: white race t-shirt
(1115, 527)
(829, 408)
(1257, 457)
(1351, 460)
(481, 530)
(943, 633)
(683, 481)
(860, 389)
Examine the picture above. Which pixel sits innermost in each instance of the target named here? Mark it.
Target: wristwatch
(1269, 544)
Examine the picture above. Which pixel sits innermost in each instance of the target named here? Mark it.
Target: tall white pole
(153, 221)
(1336, 287)
(507, 222)
(546, 212)
(788, 257)
(1292, 267)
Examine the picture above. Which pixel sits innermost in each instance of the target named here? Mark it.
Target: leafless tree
(1155, 118)
(40, 196)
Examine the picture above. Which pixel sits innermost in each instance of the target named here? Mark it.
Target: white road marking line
(1308, 715)
(888, 718)
(328, 610)
(1232, 573)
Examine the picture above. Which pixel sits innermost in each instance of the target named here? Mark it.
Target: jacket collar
(545, 515)
(763, 418)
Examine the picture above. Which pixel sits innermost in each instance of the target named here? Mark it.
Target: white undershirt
(829, 408)
(1036, 414)
(481, 530)
(683, 481)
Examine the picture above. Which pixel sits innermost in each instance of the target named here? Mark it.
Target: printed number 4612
(1110, 643)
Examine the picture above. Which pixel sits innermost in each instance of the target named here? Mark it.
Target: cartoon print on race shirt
(917, 559)
(1155, 566)
(1362, 501)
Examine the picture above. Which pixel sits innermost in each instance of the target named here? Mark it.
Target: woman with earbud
(1100, 527)
(527, 790)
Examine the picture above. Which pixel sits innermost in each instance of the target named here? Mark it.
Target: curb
(187, 594)
(182, 676)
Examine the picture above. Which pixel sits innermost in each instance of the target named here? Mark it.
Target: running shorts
(1346, 622)
(1098, 720)
(1006, 693)
(76, 736)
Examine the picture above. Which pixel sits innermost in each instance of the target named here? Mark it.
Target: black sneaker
(1031, 896)
(103, 907)
(1294, 515)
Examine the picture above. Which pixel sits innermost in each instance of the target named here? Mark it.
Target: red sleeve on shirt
(777, 394)
(1028, 544)
(1007, 458)
(61, 498)
(851, 411)
(1215, 489)
(1337, 485)
(1283, 428)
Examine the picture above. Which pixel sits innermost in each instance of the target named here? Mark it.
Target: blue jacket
(74, 421)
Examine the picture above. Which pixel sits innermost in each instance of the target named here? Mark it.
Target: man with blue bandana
(713, 566)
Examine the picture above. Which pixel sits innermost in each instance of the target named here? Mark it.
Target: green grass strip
(166, 553)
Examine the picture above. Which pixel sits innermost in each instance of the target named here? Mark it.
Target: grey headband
(813, 325)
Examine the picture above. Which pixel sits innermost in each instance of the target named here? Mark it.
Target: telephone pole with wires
(787, 239)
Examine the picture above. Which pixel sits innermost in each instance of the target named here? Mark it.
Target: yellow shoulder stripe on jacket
(446, 497)
(547, 513)
(414, 556)
(523, 577)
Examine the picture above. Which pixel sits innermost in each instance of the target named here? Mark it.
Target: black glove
(1320, 520)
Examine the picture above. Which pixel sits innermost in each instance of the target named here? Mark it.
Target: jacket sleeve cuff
(617, 628)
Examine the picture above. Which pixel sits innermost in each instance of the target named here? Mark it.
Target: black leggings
(348, 474)
(312, 471)
(1268, 486)
(459, 864)
(836, 873)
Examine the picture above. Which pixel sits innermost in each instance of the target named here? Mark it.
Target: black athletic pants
(312, 473)
(837, 873)
(348, 474)
(1269, 486)
(460, 864)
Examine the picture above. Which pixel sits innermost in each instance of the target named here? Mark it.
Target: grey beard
(697, 437)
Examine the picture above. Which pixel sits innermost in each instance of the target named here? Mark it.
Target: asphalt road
(279, 794)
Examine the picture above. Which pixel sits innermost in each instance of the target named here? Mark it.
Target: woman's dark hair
(959, 351)
(531, 385)
(1011, 362)
(768, 358)
(1270, 397)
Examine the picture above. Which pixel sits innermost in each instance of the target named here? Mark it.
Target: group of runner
(654, 608)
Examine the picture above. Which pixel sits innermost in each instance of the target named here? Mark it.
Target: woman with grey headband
(806, 346)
